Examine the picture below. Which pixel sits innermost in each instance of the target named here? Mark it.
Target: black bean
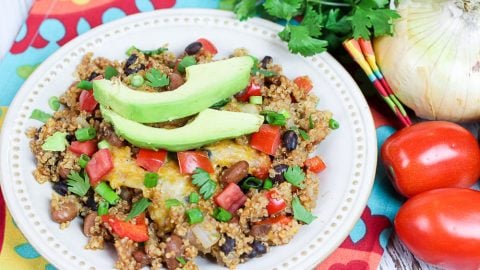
(131, 60)
(70, 137)
(266, 60)
(209, 153)
(279, 170)
(61, 187)
(92, 76)
(290, 140)
(259, 247)
(252, 254)
(129, 70)
(90, 203)
(228, 246)
(193, 48)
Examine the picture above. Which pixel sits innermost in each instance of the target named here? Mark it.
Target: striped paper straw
(354, 49)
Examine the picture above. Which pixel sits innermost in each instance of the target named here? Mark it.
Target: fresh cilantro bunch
(323, 23)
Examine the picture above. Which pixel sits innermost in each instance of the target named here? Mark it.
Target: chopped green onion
(274, 118)
(172, 202)
(40, 115)
(85, 134)
(181, 260)
(102, 208)
(285, 113)
(257, 100)
(333, 124)
(194, 216)
(194, 197)
(137, 80)
(84, 159)
(220, 104)
(221, 214)
(138, 208)
(310, 122)
(85, 85)
(55, 142)
(303, 134)
(150, 180)
(146, 52)
(251, 182)
(103, 145)
(267, 184)
(54, 103)
(110, 72)
(104, 190)
(186, 62)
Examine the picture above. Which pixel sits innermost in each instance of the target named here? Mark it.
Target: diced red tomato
(208, 46)
(315, 164)
(231, 198)
(188, 161)
(88, 147)
(281, 219)
(137, 232)
(304, 82)
(151, 160)
(99, 166)
(87, 101)
(275, 204)
(260, 172)
(267, 139)
(252, 89)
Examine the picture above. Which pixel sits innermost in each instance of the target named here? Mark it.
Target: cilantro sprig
(202, 179)
(156, 78)
(77, 184)
(325, 24)
(300, 213)
(295, 176)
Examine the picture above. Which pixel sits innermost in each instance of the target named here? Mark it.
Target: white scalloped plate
(349, 152)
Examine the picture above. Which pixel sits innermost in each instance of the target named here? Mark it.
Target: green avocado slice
(206, 84)
(208, 127)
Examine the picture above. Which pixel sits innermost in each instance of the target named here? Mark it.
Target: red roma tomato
(99, 166)
(315, 164)
(87, 101)
(252, 89)
(88, 147)
(431, 155)
(267, 139)
(151, 160)
(304, 82)
(231, 198)
(442, 227)
(275, 204)
(281, 219)
(137, 232)
(208, 46)
(188, 161)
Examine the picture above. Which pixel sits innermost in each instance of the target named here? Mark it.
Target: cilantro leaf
(301, 42)
(295, 176)
(283, 9)
(256, 70)
(146, 52)
(56, 142)
(156, 78)
(274, 118)
(313, 22)
(300, 213)
(186, 62)
(138, 208)
(245, 9)
(371, 15)
(341, 26)
(202, 179)
(77, 184)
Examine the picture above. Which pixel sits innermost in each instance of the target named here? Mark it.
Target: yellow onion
(432, 62)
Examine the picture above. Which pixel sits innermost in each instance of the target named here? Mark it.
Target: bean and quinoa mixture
(245, 195)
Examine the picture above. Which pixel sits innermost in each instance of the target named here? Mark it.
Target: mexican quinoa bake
(171, 157)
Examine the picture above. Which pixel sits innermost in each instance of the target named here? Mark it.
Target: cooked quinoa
(171, 239)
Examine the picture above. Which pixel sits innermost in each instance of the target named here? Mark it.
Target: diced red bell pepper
(275, 204)
(99, 166)
(267, 139)
(188, 161)
(315, 164)
(87, 101)
(87, 147)
(260, 172)
(137, 232)
(151, 160)
(252, 89)
(304, 82)
(208, 46)
(281, 219)
(231, 198)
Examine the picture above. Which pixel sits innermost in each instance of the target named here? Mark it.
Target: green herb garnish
(40, 115)
(56, 142)
(267, 184)
(85, 85)
(303, 134)
(221, 214)
(102, 208)
(156, 79)
(85, 134)
(295, 176)
(150, 179)
(186, 62)
(310, 122)
(300, 213)
(54, 103)
(110, 72)
(83, 160)
(181, 260)
(194, 215)
(146, 52)
(274, 118)
(104, 190)
(138, 208)
(172, 202)
(220, 104)
(255, 69)
(333, 124)
(194, 197)
(77, 184)
(202, 179)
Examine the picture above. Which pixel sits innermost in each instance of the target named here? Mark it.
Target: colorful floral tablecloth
(52, 23)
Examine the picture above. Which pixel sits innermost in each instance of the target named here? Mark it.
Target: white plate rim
(359, 198)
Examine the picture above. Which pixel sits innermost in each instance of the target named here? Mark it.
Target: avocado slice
(208, 127)
(206, 84)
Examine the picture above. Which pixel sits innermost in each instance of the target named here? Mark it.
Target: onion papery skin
(432, 62)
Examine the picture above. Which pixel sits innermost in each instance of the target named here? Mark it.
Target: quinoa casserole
(228, 200)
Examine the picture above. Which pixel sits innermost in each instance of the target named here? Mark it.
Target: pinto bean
(141, 257)
(88, 223)
(108, 134)
(63, 172)
(176, 80)
(64, 212)
(235, 173)
(260, 230)
(173, 250)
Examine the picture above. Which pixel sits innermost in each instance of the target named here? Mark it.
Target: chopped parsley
(274, 118)
(300, 213)
(202, 179)
(295, 176)
(77, 184)
(40, 115)
(156, 79)
(56, 142)
(172, 202)
(138, 208)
